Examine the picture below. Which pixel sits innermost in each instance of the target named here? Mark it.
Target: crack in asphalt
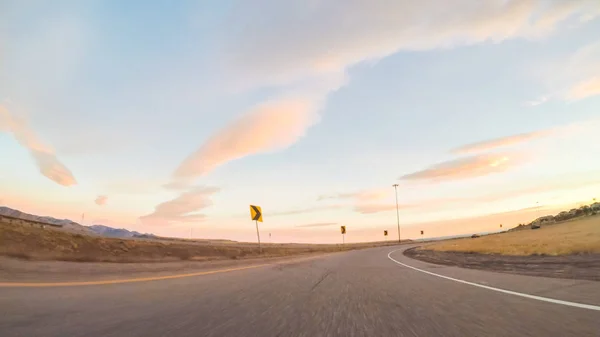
(323, 277)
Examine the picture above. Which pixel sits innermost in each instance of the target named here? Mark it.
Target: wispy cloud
(183, 208)
(467, 167)
(538, 101)
(101, 200)
(335, 35)
(378, 208)
(321, 224)
(308, 210)
(44, 156)
(271, 126)
(576, 76)
(587, 88)
(369, 195)
(501, 142)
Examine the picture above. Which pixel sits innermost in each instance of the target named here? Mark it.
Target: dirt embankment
(34, 243)
(565, 250)
(579, 266)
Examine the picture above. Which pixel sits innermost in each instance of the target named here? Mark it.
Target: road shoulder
(579, 291)
(577, 266)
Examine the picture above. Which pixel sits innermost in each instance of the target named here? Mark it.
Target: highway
(372, 292)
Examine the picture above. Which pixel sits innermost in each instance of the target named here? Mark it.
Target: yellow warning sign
(256, 213)
(385, 233)
(343, 229)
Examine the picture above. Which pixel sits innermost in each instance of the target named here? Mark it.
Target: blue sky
(180, 115)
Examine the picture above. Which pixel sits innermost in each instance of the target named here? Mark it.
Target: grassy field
(580, 236)
(51, 244)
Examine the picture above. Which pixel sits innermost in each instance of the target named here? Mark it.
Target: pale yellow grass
(573, 237)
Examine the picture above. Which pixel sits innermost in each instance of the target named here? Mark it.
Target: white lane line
(533, 297)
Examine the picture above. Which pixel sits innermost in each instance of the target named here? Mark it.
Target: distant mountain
(118, 232)
(74, 227)
(66, 224)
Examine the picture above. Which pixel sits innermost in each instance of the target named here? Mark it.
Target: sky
(173, 117)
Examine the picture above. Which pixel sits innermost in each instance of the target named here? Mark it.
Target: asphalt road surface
(358, 293)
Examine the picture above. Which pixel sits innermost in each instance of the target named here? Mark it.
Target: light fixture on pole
(397, 211)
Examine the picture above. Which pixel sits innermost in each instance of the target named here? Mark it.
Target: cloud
(574, 128)
(378, 208)
(538, 101)
(293, 45)
(468, 167)
(101, 200)
(44, 156)
(178, 185)
(270, 126)
(501, 142)
(360, 196)
(308, 210)
(576, 76)
(322, 224)
(584, 89)
(183, 208)
(282, 42)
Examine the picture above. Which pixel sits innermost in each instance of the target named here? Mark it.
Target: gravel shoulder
(576, 266)
(18, 270)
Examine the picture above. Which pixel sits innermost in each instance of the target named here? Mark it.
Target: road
(357, 293)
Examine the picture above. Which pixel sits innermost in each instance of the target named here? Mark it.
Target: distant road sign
(343, 229)
(256, 213)
(421, 232)
(385, 233)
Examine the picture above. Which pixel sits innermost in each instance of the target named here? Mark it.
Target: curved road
(358, 293)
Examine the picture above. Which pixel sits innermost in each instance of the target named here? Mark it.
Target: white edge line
(533, 297)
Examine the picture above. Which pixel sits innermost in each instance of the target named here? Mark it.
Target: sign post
(256, 215)
(385, 233)
(343, 230)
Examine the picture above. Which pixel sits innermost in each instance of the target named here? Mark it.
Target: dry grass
(51, 244)
(573, 237)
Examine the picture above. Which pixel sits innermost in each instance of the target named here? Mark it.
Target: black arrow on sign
(257, 215)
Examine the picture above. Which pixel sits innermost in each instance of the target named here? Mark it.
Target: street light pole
(397, 211)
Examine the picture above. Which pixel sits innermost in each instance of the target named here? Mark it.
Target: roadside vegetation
(35, 243)
(577, 236)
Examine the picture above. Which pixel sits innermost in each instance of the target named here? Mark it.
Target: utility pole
(397, 210)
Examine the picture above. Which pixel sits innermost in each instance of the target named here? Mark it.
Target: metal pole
(258, 235)
(397, 211)
(343, 239)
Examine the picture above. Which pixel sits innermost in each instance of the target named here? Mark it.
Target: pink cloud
(183, 208)
(320, 224)
(584, 89)
(308, 210)
(376, 208)
(361, 196)
(468, 167)
(101, 200)
(44, 156)
(502, 142)
(270, 126)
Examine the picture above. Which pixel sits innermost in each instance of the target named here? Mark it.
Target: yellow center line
(131, 280)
